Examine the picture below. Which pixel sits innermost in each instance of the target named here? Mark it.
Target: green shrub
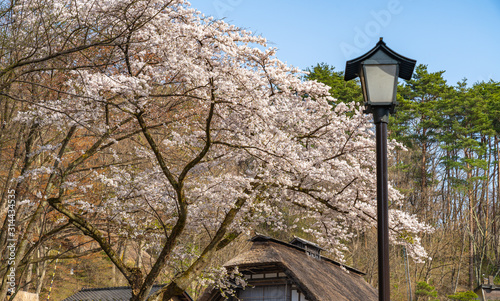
(424, 291)
(464, 296)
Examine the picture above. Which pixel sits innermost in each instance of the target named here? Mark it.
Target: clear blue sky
(459, 36)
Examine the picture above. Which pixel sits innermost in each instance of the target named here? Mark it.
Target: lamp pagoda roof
(381, 54)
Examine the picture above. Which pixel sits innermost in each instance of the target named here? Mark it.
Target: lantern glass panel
(380, 81)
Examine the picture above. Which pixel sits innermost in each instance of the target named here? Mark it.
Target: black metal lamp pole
(382, 204)
(378, 70)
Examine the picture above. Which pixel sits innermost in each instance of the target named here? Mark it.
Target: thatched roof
(122, 293)
(488, 292)
(319, 279)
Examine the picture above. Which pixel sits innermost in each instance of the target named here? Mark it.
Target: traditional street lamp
(378, 71)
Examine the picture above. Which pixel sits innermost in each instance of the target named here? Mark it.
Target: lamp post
(378, 70)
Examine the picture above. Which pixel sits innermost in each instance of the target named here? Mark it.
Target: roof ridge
(113, 288)
(305, 241)
(260, 237)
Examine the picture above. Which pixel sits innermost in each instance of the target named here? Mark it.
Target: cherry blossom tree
(164, 122)
(39, 41)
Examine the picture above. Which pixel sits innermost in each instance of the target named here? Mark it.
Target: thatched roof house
(295, 271)
(488, 291)
(122, 293)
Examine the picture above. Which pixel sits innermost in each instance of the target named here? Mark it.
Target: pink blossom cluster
(204, 88)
